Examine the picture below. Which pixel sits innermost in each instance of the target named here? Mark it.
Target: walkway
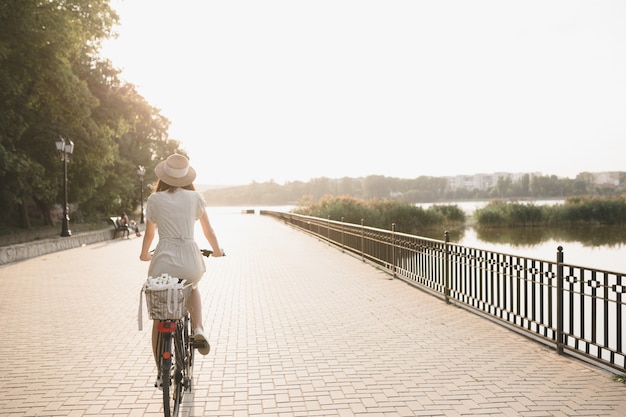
(297, 329)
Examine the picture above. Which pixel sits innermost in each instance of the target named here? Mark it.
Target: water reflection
(598, 247)
(589, 236)
(594, 247)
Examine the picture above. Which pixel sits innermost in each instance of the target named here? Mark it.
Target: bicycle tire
(178, 372)
(165, 359)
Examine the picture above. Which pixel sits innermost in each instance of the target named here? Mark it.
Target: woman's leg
(195, 308)
(155, 338)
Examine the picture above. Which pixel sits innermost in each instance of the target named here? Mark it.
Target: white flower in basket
(166, 298)
(161, 282)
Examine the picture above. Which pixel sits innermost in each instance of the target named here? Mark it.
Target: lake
(598, 247)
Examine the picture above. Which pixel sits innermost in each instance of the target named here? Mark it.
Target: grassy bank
(381, 213)
(574, 211)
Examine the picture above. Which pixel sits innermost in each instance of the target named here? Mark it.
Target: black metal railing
(576, 310)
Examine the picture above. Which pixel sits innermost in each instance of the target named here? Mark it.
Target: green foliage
(501, 213)
(382, 213)
(53, 83)
(451, 213)
(576, 210)
(619, 378)
(591, 210)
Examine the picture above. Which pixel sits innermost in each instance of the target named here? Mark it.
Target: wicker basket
(168, 304)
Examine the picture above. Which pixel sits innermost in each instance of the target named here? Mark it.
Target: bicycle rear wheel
(178, 371)
(171, 357)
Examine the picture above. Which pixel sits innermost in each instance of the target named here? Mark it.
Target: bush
(382, 213)
(502, 213)
(493, 214)
(579, 210)
(593, 210)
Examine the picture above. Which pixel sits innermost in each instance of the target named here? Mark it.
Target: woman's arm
(210, 235)
(148, 236)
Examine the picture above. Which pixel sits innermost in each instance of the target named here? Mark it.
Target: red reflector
(167, 326)
(167, 355)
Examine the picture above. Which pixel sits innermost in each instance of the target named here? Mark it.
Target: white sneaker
(200, 342)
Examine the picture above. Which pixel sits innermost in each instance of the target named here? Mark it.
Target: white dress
(175, 215)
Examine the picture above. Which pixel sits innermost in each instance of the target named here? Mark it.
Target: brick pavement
(297, 329)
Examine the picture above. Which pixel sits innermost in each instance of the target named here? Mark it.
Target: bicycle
(175, 350)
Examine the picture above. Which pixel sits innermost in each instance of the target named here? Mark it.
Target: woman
(174, 207)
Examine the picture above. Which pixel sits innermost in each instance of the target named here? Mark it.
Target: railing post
(393, 249)
(559, 300)
(446, 267)
(328, 229)
(342, 226)
(362, 240)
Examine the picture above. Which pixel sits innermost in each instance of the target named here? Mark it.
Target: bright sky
(293, 90)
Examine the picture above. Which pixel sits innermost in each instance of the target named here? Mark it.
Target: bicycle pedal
(203, 347)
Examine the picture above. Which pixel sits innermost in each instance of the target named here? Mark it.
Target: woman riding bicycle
(174, 207)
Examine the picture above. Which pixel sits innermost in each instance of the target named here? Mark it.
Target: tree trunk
(46, 215)
(23, 216)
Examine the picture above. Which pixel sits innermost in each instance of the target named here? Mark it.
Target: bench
(114, 221)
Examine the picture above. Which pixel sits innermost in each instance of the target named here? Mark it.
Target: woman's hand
(145, 256)
(218, 253)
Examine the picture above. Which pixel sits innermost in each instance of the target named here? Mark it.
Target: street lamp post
(65, 148)
(141, 171)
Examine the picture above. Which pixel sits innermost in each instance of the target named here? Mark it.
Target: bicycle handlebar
(209, 252)
(205, 252)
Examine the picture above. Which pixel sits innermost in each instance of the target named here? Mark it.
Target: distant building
(606, 178)
(484, 181)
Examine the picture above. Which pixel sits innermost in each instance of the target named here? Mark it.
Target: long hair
(163, 186)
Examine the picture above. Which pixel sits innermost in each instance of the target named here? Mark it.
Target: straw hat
(175, 171)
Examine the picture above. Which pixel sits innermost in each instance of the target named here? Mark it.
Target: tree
(42, 96)
(376, 186)
(52, 82)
